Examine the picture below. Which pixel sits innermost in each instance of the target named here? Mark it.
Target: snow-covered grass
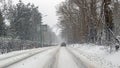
(9, 44)
(10, 54)
(99, 55)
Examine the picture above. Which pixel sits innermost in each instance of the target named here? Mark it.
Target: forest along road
(51, 57)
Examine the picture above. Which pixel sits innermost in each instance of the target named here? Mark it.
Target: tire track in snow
(52, 63)
(17, 54)
(65, 60)
(79, 59)
(10, 61)
(76, 59)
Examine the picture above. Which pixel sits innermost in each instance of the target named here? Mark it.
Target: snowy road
(51, 57)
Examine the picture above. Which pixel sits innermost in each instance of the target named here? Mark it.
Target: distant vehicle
(63, 44)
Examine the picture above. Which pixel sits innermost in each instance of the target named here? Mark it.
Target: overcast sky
(46, 7)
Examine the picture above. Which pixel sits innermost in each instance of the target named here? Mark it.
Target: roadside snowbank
(99, 55)
(15, 59)
(10, 54)
(36, 61)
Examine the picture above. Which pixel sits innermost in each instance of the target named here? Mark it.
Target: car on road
(63, 44)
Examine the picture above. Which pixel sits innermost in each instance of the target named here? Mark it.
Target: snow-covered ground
(37, 61)
(65, 60)
(74, 56)
(7, 55)
(99, 55)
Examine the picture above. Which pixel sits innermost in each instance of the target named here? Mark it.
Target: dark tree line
(89, 21)
(24, 19)
(19, 26)
(2, 25)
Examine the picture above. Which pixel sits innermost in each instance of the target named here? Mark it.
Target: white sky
(46, 7)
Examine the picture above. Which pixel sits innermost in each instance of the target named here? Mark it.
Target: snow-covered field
(99, 55)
